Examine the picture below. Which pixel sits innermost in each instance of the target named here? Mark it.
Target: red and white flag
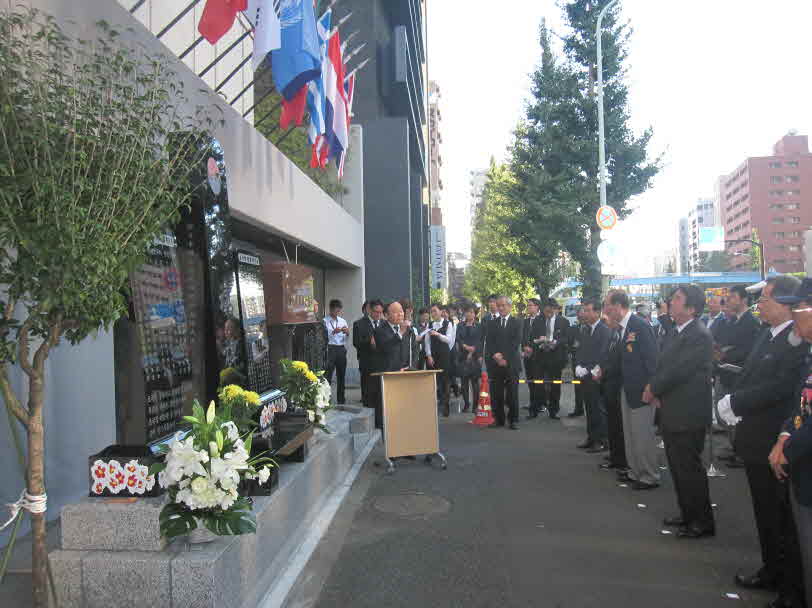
(335, 114)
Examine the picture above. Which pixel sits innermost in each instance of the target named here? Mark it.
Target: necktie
(504, 322)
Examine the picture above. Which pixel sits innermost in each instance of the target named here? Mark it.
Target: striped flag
(315, 93)
(335, 115)
(349, 91)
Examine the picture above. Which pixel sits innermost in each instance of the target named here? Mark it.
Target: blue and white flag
(298, 61)
(315, 92)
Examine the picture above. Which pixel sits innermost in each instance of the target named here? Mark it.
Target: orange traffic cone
(484, 415)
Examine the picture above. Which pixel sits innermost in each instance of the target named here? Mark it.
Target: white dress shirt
(335, 339)
(683, 326)
(624, 322)
(448, 338)
(778, 329)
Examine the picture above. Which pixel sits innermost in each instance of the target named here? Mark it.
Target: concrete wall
(348, 284)
(265, 188)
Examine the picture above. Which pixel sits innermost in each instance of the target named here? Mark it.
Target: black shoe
(575, 415)
(514, 426)
(496, 425)
(642, 485)
(623, 475)
(466, 408)
(554, 416)
(674, 522)
(695, 531)
(598, 447)
(759, 580)
(783, 601)
(585, 445)
(608, 466)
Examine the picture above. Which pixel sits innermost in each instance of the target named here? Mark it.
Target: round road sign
(606, 217)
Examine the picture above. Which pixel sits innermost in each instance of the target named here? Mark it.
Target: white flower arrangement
(202, 475)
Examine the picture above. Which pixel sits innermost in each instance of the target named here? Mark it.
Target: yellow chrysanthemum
(251, 397)
(300, 365)
(232, 391)
(311, 376)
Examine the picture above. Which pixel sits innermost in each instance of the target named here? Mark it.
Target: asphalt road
(523, 518)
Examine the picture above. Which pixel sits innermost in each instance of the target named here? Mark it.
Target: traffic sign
(606, 217)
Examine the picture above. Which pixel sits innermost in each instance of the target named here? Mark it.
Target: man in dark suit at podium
(394, 348)
(503, 339)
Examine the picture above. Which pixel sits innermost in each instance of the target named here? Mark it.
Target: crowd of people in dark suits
(701, 364)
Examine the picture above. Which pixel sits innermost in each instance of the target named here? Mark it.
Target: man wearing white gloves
(592, 349)
(759, 405)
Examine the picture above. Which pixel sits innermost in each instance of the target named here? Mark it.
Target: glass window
(793, 179)
(794, 248)
(778, 235)
(791, 206)
(793, 192)
(792, 163)
(775, 165)
(794, 220)
(776, 179)
(778, 220)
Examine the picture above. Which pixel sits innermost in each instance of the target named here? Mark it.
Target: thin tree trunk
(592, 272)
(36, 486)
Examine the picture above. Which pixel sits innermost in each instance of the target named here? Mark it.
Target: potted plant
(98, 150)
(202, 474)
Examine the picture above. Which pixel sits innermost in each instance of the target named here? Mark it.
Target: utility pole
(601, 135)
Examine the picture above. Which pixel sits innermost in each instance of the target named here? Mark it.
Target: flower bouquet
(202, 475)
(240, 406)
(306, 390)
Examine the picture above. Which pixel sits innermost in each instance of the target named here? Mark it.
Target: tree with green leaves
(96, 150)
(501, 263)
(555, 153)
(713, 261)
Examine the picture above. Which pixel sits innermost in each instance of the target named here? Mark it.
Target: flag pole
(346, 41)
(353, 53)
(360, 66)
(339, 24)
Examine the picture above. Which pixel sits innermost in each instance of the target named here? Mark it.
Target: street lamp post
(760, 252)
(601, 136)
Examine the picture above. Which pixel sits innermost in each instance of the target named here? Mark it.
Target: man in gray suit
(637, 362)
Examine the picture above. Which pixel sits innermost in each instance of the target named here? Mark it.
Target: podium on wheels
(411, 426)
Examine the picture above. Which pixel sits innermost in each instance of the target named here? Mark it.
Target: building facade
(702, 215)
(771, 195)
(457, 265)
(391, 104)
(683, 245)
(277, 220)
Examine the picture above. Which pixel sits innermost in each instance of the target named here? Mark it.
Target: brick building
(773, 196)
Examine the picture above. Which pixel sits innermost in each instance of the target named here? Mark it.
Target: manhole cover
(412, 505)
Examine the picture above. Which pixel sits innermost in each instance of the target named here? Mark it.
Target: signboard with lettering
(289, 293)
(439, 277)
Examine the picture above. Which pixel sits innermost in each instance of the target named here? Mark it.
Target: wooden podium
(410, 423)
